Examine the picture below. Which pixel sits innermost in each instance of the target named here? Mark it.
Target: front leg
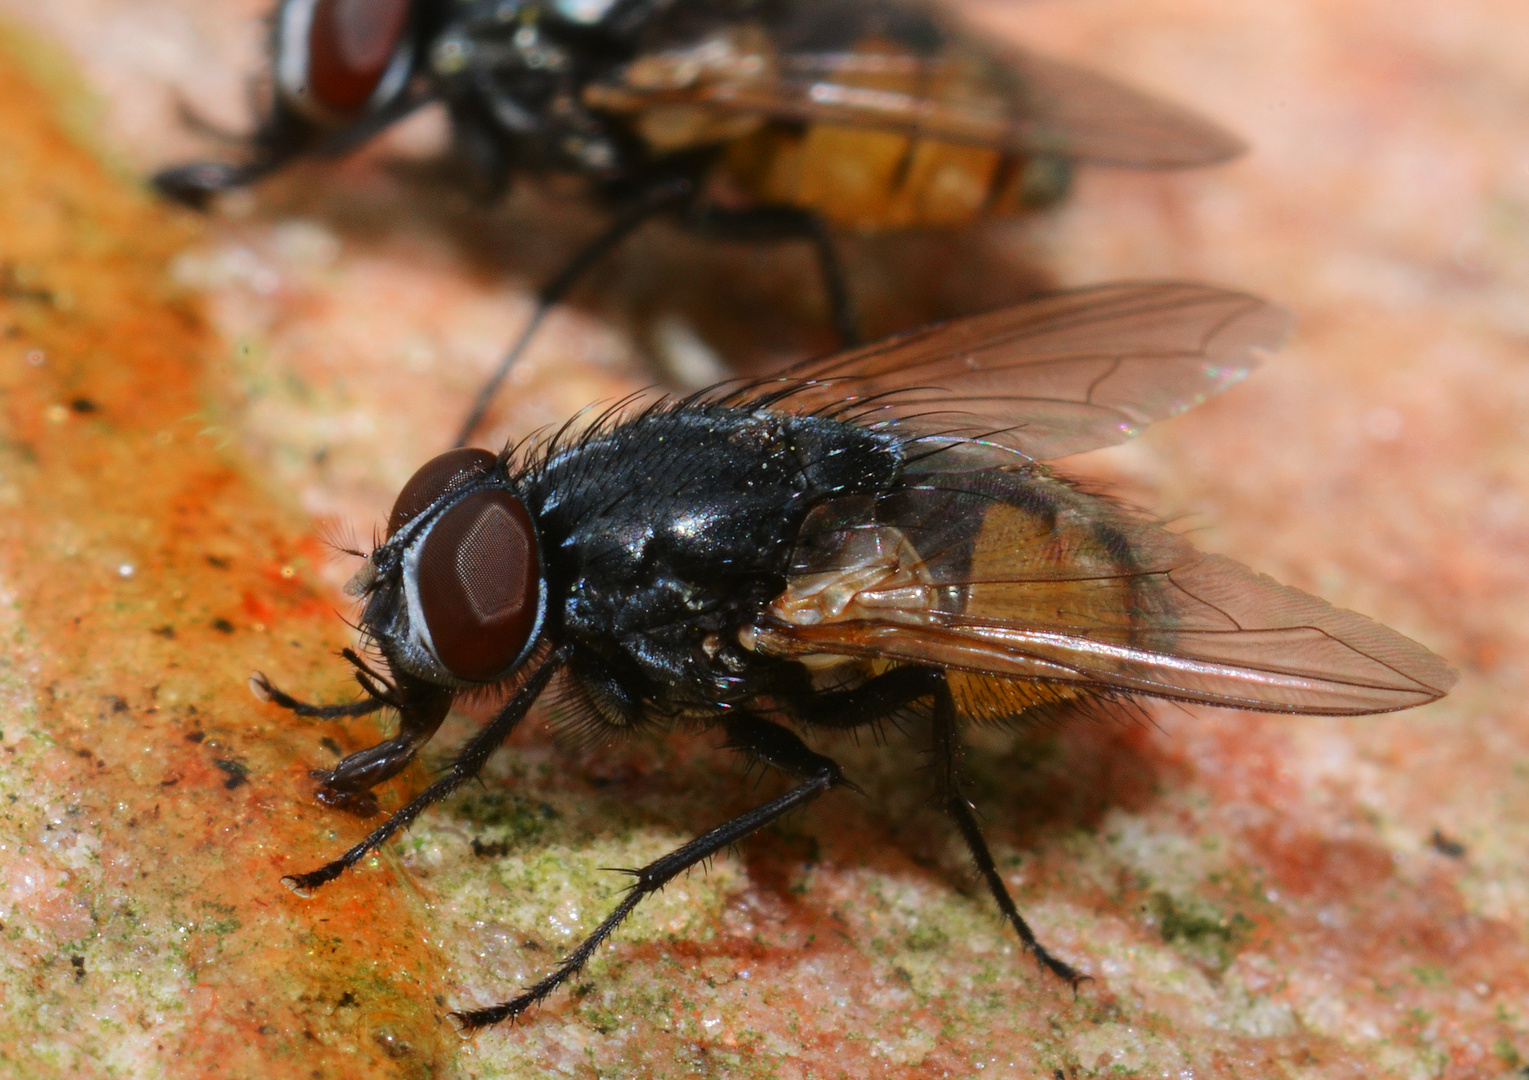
(377, 696)
(421, 708)
(281, 139)
(463, 769)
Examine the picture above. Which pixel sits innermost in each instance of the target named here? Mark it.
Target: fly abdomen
(877, 181)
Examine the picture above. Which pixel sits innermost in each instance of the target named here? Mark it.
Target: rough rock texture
(187, 402)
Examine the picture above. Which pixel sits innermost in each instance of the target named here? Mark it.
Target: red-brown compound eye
(435, 478)
(350, 45)
(480, 585)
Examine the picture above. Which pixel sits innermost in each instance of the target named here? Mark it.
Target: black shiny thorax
(664, 535)
(510, 72)
(513, 72)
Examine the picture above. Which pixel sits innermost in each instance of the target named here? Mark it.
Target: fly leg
(421, 708)
(835, 283)
(653, 202)
(947, 750)
(281, 138)
(263, 689)
(761, 741)
(467, 765)
(873, 700)
(380, 693)
(790, 223)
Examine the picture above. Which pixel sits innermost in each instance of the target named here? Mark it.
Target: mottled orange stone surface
(1254, 896)
(147, 807)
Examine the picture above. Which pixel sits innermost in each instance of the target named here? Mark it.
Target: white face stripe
(397, 74)
(587, 12)
(292, 29)
(419, 630)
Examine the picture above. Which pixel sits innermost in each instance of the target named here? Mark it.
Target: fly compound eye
(479, 582)
(435, 478)
(336, 53)
(350, 47)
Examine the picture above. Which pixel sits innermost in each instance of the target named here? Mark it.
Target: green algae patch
(1202, 930)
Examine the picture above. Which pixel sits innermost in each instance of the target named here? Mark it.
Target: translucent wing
(1017, 576)
(893, 67)
(1073, 113)
(1048, 378)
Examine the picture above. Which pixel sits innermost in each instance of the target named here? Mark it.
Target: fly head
(456, 595)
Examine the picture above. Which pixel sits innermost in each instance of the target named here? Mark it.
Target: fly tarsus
(947, 752)
(265, 690)
(467, 765)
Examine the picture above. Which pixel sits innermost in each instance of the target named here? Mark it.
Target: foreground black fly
(767, 119)
(864, 537)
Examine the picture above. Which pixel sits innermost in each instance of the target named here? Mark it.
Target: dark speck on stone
(391, 1044)
(237, 773)
(1445, 845)
(223, 626)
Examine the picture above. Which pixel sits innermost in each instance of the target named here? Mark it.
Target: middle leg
(791, 223)
(662, 196)
(760, 740)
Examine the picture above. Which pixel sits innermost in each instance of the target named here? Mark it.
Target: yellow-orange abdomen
(873, 180)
